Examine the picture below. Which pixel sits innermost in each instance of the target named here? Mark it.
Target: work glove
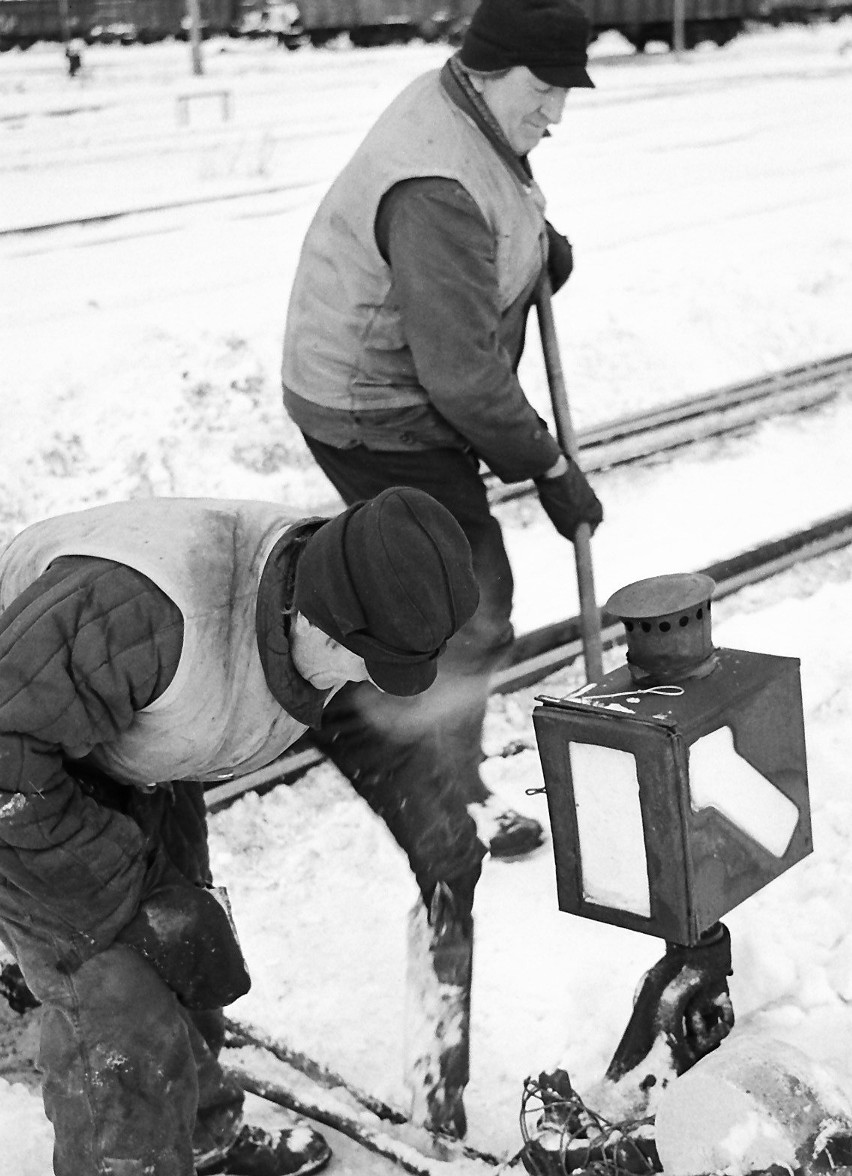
(569, 500)
(560, 258)
(186, 935)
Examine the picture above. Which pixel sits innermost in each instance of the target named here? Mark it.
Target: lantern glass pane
(721, 779)
(611, 836)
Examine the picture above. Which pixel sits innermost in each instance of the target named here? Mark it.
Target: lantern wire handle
(666, 691)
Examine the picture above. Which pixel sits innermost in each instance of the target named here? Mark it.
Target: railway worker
(74, 55)
(146, 647)
(406, 324)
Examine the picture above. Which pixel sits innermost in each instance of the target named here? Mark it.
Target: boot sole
(315, 1165)
(517, 855)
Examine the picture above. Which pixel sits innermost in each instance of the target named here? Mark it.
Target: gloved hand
(569, 500)
(186, 936)
(560, 258)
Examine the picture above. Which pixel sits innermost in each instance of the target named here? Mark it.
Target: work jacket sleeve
(442, 259)
(83, 648)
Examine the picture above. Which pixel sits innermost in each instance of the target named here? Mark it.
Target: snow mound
(753, 1103)
(26, 1135)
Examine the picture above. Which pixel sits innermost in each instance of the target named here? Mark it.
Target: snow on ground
(707, 200)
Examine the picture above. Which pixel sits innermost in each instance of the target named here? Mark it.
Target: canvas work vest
(217, 717)
(344, 345)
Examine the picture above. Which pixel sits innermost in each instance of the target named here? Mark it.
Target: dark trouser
(131, 1081)
(416, 761)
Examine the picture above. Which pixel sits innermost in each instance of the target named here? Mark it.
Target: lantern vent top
(667, 619)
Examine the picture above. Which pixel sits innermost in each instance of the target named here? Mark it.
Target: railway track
(544, 650)
(712, 414)
(104, 218)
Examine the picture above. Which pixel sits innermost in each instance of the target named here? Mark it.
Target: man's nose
(553, 105)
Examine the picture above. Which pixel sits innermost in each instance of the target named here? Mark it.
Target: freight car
(377, 22)
(23, 22)
(372, 22)
(643, 21)
(145, 21)
(366, 22)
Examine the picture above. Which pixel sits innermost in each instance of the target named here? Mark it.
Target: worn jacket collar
(458, 86)
(274, 610)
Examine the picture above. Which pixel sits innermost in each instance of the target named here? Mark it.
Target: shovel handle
(589, 614)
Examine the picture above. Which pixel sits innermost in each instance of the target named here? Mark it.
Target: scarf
(457, 83)
(274, 606)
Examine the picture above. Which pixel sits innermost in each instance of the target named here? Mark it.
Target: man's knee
(462, 888)
(450, 852)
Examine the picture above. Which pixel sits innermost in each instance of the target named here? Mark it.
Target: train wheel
(429, 31)
(454, 35)
(637, 34)
(727, 31)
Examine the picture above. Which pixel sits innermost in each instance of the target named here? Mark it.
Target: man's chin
(532, 140)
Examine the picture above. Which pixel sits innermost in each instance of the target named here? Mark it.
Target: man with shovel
(407, 315)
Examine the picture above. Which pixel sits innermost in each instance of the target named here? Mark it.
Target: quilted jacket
(88, 644)
(85, 646)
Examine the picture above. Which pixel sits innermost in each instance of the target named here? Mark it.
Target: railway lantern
(677, 785)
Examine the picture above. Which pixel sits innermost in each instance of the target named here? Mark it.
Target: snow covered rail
(270, 1069)
(102, 218)
(726, 410)
(543, 651)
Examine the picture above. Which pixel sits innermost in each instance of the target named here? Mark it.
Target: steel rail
(103, 218)
(712, 414)
(545, 650)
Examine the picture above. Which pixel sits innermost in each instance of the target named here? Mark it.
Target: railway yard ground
(707, 199)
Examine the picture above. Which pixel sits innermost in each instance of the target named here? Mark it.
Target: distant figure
(74, 55)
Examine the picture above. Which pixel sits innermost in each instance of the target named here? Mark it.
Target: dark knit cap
(549, 37)
(391, 579)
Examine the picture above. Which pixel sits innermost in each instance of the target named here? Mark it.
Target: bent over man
(406, 324)
(147, 647)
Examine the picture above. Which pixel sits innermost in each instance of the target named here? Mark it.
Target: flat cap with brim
(549, 37)
(390, 579)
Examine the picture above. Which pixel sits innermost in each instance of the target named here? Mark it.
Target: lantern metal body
(677, 785)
